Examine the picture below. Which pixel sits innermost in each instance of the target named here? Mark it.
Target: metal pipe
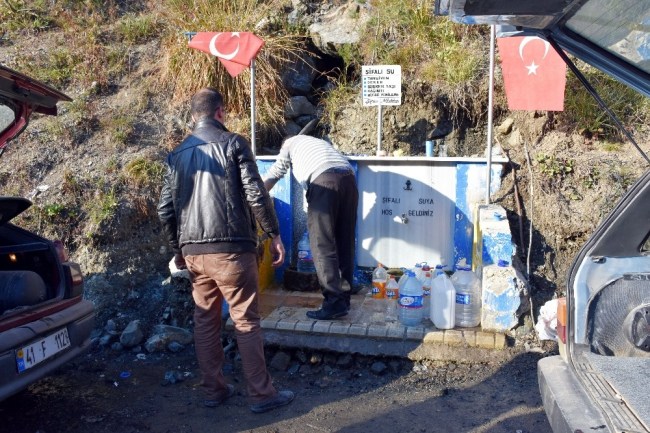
(253, 106)
(488, 176)
(379, 126)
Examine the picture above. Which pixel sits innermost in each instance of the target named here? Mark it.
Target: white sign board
(406, 214)
(381, 84)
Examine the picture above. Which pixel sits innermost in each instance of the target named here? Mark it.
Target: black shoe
(326, 315)
(218, 401)
(282, 399)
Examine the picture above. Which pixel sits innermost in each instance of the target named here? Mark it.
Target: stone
(298, 76)
(506, 126)
(132, 334)
(339, 27)
(280, 361)
(291, 128)
(345, 361)
(175, 347)
(298, 106)
(378, 368)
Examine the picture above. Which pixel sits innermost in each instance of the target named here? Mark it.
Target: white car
(44, 320)
(600, 382)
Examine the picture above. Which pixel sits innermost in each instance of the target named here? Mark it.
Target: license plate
(40, 350)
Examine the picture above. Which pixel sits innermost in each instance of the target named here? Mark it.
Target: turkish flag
(534, 74)
(235, 50)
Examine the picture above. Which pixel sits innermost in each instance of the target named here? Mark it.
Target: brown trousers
(233, 277)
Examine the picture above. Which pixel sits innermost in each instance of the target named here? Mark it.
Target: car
(600, 379)
(44, 319)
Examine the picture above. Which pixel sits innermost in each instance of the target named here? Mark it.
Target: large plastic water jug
(468, 297)
(305, 259)
(443, 302)
(410, 301)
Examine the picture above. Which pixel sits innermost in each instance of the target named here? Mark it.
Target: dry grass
(185, 70)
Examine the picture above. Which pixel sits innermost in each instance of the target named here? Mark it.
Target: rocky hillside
(94, 172)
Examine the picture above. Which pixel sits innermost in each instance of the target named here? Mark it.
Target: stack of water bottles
(425, 293)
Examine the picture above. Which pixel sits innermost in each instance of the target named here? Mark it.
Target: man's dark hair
(205, 103)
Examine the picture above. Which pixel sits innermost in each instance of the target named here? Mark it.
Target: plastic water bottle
(417, 269)
(426, 291)
(305, 259)
(402, 279)
(410, 301)
(379, 280)
(392, 292)
(439, 270)
(443, 302)
(468, 297)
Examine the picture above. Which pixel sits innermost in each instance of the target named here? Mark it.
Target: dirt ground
(93, 394)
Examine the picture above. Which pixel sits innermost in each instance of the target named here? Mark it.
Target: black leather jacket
(212, 192)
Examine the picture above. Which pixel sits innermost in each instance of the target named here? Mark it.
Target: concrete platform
(365, 331)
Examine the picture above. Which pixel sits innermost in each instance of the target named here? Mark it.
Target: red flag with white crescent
(235, 50)
(534, 74)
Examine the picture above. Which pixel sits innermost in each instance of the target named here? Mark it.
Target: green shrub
(583, 112)
(142, 172)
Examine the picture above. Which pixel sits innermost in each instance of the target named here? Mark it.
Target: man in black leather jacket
(212, 195)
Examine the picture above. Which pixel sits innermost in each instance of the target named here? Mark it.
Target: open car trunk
(609, 305)
(30, 272)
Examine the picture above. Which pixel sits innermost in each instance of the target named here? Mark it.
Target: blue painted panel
(497, 246)
(281, 194)
(464, 221)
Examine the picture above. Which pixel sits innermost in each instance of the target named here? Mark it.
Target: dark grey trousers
(332, 200)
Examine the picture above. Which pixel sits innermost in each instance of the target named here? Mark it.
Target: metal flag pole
(253, 106)
(488, 180)
(379, 126)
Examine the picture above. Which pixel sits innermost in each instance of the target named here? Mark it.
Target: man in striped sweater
(332, 198)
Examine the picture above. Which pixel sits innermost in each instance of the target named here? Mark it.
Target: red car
(44, 320)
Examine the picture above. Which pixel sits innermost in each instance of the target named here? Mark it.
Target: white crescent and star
(532, 68)
(215, 52)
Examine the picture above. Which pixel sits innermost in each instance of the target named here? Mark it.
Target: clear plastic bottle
(379, 280)
(426, 291)
(443, 302)
(468, 297)
(410, 301)
(392, 292)
(305, 259)
(417, 269)
(402, 279)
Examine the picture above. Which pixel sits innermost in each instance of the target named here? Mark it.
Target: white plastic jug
(443, 302)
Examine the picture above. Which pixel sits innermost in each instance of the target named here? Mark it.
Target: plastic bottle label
(390, 293)
(378, 289)
(305, 255)
(462, 299)
(409, 301)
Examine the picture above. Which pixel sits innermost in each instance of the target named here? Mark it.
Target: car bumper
(79, 319)
(568, 406)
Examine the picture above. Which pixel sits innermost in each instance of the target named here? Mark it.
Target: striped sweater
(308, 157)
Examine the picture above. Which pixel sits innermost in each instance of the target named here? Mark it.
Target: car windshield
(622, 27)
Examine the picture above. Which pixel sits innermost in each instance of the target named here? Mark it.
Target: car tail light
(561, 327)
(60, 250)
(561, 319)
(75, 281)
